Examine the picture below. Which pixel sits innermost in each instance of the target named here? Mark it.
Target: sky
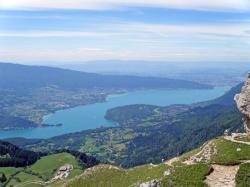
(75, 31)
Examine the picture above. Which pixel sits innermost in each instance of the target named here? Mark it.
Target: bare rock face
(153, 183)
(243, 103)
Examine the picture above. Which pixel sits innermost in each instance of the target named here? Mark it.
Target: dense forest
(85, 160)
(165, 141)
(228, 98)
(13, 156)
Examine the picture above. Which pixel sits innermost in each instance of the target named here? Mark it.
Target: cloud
(137, 41)
(129, 41)
(75, 55)
(238, 5)
(224, 30)
(88, 49)
(142, 31)
(40, 34)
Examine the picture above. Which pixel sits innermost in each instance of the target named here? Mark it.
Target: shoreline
(22, 133)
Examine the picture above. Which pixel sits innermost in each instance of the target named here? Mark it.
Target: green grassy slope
(227, 153)
(192, 175)
(181, 174)
(47, 166)
(105, 175)
(223, 152)
(42, 171)
(243, 175)
(112, 177)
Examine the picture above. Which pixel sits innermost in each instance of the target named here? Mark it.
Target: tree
(3, 178)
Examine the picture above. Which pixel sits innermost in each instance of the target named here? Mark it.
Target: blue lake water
(92, 116)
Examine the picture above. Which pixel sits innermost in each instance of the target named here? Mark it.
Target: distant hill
(14, 76)
(213, 73)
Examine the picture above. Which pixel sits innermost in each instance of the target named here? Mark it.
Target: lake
(92, 116)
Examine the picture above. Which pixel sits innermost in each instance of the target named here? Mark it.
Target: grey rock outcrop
(153, 183)
(243, 103)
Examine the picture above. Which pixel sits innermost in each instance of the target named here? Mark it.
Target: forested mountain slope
(11, 155)
(228, 98)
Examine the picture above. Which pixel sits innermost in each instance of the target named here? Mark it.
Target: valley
(91, 116)
(148, 133)
(154, 131)
(35, 92)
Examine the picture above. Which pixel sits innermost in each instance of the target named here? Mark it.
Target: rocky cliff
(243, 103)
